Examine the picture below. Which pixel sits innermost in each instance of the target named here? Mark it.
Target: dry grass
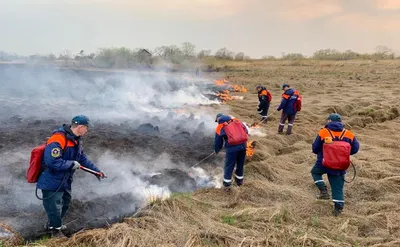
(277, 206)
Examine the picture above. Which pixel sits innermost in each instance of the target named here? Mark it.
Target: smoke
(130, 109)
(103, 96)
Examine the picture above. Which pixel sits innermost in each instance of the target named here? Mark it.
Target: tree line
(123, 57)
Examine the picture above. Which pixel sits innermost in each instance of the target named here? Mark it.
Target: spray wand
(97, 174)
(203, 159)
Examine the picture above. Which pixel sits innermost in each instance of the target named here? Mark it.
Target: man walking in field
(264, 98)
(333, 146)
(234, 134)
(290, 104)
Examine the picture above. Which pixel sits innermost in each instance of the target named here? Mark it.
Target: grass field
(276, 206)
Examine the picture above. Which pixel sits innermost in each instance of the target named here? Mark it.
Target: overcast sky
(255, 27)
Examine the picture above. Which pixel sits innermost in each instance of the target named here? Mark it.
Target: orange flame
(224, 96)
(235, 88)
(250, 150)
(255, 125)
(238, 88)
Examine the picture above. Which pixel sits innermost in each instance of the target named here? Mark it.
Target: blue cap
(285, 85)
(335, 117)
(218, 115)
(81, 120)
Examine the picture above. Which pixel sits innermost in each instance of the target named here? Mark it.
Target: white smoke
(114, 98)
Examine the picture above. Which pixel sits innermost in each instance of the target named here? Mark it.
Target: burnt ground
(183, 146)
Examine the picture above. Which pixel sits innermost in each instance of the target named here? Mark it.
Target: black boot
(323, 194)
(55, 233)
(337, 209)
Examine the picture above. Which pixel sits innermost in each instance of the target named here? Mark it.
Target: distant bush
(268, 58)
(293, 56)
(224, 53)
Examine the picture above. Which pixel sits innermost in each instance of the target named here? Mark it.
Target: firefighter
(288, 107)
(62, 156)
(264, 98)
(335, 127)
(235, 152)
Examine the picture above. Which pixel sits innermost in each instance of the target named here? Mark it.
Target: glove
(102, 175)
(76, 165)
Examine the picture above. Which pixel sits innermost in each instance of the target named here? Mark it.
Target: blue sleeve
(84, 161)
(52, 158)
(218, 143)
(355, 146)
(282, 105)
(317, 145)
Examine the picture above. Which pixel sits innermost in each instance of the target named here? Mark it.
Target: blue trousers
(336, 182)
(264, 110)
(56, 206)
(231, 159)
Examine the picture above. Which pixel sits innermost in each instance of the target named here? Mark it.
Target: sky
(255, 27)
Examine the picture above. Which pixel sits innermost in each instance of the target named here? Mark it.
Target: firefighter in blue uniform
(235, 154)
(62, 156)
(336, 177)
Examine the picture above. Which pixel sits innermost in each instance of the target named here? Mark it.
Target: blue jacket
(220, 138)
(263, 98)
(336, 129)
(289, 98)
(58, 163)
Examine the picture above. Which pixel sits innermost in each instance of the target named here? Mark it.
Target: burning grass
(276, 205)
(224, 95)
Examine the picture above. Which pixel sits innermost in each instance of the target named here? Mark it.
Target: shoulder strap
(341, 135)
(330, 133)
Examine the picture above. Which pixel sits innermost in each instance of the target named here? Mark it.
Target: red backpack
(269, 96)
(336, 154)
(35, 165)
(236, 132)
(298, 102)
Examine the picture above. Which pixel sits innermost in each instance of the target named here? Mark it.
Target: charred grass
(276, 206)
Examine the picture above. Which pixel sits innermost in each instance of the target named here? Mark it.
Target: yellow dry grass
(276, 206)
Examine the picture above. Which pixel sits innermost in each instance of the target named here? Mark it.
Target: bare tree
(188, 49)
(224, 53)
(383, 52)
(239, 56)
(203, 53)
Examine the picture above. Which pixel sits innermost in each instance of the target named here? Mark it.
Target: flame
(250, 150)
(235, 88)
(220, 82)
(238, 88)
(224, 96)
(255, 125)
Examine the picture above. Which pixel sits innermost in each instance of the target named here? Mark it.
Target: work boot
(289, 130)
(323, 194)
(337, 209)
(263, 120)
(57, 234)
(280, 129)
(228, 189)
